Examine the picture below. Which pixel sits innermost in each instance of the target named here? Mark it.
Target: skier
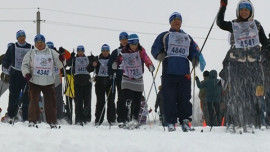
(81, 69)
(244, 63)
(121, 107)
(175, 48)
(104, 87)
(213, 91)
(13, 58)
(202, 96)
(132, 59)
(58, 80)
(37, 68)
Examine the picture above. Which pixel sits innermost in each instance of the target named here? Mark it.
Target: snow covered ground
(149, 138)
(89, 138)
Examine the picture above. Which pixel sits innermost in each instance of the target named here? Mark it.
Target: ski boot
(186, 127)
(121, 124)
(32, 124)
(54, 126)
(171, 127)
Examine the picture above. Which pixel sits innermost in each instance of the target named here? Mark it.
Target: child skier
(213, 96)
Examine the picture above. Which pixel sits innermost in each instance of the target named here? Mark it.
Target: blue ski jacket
(174, 65)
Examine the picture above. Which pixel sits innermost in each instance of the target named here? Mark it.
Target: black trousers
(17, 85)
(214, 113)
(69, 109)
(121, 106)
(133, 99)
(105, 93)
(82, 103)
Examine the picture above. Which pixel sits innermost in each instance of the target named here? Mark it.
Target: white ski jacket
(28, 66)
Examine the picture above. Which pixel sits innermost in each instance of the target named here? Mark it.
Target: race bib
(178, 45)
(43, 65)
(19, 55)
(56, 70)
(245, 34)
(132, 65)
(103, 69)
(80, 65)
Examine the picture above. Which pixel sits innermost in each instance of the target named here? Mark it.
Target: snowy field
(20, 138)
(149, 138)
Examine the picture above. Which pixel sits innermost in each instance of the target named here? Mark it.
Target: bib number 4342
(43, 72)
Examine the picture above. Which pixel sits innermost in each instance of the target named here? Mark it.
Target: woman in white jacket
(37, 68)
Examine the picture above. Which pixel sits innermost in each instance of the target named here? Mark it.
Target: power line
(16, 8)
(110, 29)
(16, 21)
(118, 19)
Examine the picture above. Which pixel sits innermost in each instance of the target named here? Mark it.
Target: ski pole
(154, 77)
(103, 109)
(19, 103)
(193, 104)
(205, 40)
(154, 83)
(108, 96)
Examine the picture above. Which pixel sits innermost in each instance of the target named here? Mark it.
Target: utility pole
(38, 21)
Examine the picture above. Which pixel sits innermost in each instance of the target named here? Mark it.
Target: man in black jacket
(83, 87)
(104, 87)
(123, 38)
(13, 57)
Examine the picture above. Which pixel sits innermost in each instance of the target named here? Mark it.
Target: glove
(61, 58)
(114, 66)
(223, 3)
(196, 78)
(155, 110)
(28, 76)
(72, 54)
(6, 66)
(202, 62)
(195, 61)
(161, 56)
(61, 50)
(151, 68)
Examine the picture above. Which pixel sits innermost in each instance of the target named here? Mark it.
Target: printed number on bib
(132, 71)
(247, 43)
(178, 50)
(43, 72)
